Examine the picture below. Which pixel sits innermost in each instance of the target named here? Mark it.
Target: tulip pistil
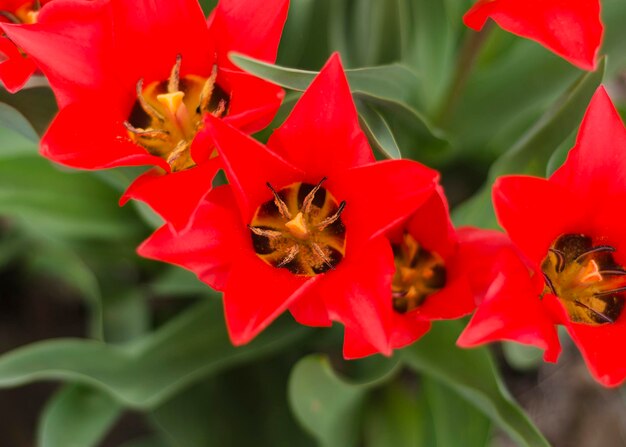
(586, 278)
(300, 229)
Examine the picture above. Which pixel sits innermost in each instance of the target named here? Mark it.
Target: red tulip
(570, 231)
(135, 79)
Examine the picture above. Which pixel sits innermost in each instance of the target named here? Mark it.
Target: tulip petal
(571, 29)
(209, 246)
(251, 28)
(322, 133)
(174, 196)
(249, 166)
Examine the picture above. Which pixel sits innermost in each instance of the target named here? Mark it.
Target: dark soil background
(563, 400)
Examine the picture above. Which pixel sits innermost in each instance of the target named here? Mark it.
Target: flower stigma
(26, 14)
(300, 229)
(586, 279)
(168, 114)
(419, 274)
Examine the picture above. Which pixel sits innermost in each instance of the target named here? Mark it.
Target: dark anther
(308, 200)
(280, 204)
(600, 317)
(549, 283)
(560, 256)
(612, 272)
(10, 16)
(598, 249)
(332, 219)
(611, 292)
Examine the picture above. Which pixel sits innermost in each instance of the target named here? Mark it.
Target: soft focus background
(471, 105)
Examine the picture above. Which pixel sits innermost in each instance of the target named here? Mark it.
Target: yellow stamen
(297, 227)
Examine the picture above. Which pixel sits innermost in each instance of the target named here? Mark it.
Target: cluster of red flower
(310, 222)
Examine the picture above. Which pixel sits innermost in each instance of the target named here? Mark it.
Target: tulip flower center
(168, 114)
(419, 274)
(300, 229)
(586, 278)
(26, 14)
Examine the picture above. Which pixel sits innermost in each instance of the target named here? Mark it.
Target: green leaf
(252, 396)
(77, 416)
(531, 153)
(15, 144)
(395, 82)
(68, 205)
(395, 418)
(454, 420)
(472, 374)
(11, 118)
(328, 407)
(378, 130)
(144, 373)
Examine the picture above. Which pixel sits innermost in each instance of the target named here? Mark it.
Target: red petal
(253, 102)
(75, 140)
(406, 329)
(164, 29)
(257, 293)
(596, 167)
(570, 28)
(66, 44)
(478, 253)
(174, 196)
(381, 194)
(355, 346)
(249, 165)
(208, 247)
(602, 349)
(432, 227)
(534, 212)
(310, 310)
(16, 69)
(322, 134)
(358, 293)
(512, 311)
(251, 28)
(455, 300)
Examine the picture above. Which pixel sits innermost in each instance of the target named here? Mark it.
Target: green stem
(465, 63)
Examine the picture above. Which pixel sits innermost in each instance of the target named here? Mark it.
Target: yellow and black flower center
(419, 274)
(168, 114)
(26, 14)
(300, 229)
(586, 278)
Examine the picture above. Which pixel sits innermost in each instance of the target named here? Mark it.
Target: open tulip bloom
(303, 225)
(571, 233)
(433, 278)
(570, 28)
(138, 80)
